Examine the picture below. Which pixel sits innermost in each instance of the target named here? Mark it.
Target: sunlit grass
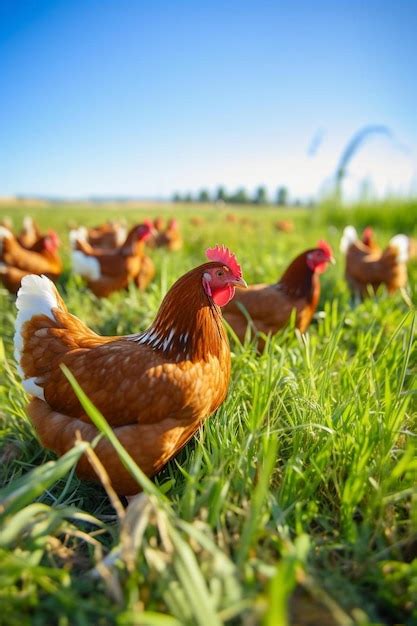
(296, 501)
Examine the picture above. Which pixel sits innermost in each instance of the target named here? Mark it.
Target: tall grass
(295, 503)
(392, 215)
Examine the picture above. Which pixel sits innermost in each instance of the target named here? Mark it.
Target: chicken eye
(219, 273)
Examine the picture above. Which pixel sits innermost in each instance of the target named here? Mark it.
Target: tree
(188, 197)
(282, 196)
(261, 196)
(240, 197)
(221, 195)
(204, 196)
(176, 197)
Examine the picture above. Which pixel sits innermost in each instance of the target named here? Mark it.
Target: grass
(295, 503)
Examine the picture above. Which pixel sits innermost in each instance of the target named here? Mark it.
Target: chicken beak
(240, 282)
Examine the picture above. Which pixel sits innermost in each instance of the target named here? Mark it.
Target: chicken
(171, 237)
(267, 308)
(158, 224)
(155, 388)
(29, 234)
(107, 236)
(146, 272)
(107, 271)
(197, 220)
(368, 269)
(45, 241)
(16, 261)
(284, 226)
(368, 239)
(158, 229)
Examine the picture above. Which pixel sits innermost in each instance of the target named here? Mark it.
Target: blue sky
(143, 98)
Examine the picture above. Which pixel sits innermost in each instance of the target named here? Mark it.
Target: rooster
(107, 271)
(268, 308)
(16, 261)
(155, 388)
(369, 268)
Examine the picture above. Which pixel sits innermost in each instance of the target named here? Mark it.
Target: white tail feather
(86, 266)
(36, 296)
(402, 243)
(349, 237)
(78, 234)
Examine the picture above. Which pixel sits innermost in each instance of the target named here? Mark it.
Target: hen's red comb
(368, 232)
(225, 256)
(323, 245)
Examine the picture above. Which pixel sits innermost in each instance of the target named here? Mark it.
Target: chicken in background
(159, 224)
(146, 272)
(197, 220)
(171, 237)
(368, 239)
(107, 271)
(367, 268)
(107, 236)
(168, 236)
(158, 229)
(16, 261)
(30, 233)
(155, 388)
(284, 226)
(268, 308)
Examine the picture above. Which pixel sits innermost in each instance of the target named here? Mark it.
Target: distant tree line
(240, 196)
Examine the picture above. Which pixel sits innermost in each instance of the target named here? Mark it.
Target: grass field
(296, 502)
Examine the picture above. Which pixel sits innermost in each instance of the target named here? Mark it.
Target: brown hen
(106, 236)
(16, 261)
(107, 271)
(155, 388)
(368, 268)
(268, 308)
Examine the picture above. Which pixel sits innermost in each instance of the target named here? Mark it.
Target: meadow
(296, 503)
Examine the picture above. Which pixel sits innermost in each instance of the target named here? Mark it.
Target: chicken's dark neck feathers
(299, 280)
(188, 326)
